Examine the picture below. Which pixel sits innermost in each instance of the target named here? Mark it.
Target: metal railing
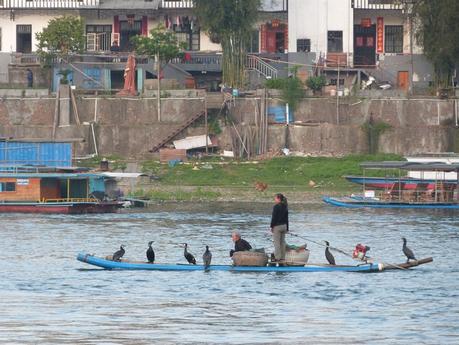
(11, 4)
(198, 58)
(255, 63)
(377, 5)
(67, 200)
(176, 4)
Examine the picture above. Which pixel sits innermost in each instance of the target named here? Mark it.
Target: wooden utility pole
(337, 93)
(206, 124)
(158, 72)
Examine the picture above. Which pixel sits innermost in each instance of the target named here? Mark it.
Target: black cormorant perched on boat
(188, 256)
(207, 257)
(150, 253)
(118, 254)
(329, 256)
(407, 251)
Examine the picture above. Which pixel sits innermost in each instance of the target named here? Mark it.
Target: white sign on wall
(22, 181)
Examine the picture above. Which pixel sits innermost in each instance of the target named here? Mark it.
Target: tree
(163, 46)
(231, 23)
(63, 36)
(437, 32)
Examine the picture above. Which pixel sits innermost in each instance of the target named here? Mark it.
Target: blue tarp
(277, 114)
(36, 153)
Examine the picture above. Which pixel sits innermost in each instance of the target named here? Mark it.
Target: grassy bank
(216, 179)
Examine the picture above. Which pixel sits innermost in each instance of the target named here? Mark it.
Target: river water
(47, 297)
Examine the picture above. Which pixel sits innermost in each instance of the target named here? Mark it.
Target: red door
(403, 80)
(271, 41)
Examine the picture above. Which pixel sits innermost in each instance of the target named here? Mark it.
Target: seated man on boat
(240, 244)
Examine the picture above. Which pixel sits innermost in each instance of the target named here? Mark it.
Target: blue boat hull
(122, 265)
(368, 203)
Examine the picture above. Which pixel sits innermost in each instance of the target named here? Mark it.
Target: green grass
(293, 172)
(116, 162)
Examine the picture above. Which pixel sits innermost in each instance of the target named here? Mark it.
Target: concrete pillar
(64, 105)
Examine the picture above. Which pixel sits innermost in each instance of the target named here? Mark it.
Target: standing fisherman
(279, 226)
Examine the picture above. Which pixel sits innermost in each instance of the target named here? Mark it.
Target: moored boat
(402, 192)
(127, 265)
(53, 190)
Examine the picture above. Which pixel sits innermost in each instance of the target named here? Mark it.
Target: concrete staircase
(175, 132)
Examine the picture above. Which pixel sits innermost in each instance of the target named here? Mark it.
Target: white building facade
(321, 26)
(365, 34)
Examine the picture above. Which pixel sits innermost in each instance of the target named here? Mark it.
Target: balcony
(49, 4)
(377, 5)
(176, 4)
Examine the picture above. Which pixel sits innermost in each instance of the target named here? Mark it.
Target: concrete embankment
(129, 127)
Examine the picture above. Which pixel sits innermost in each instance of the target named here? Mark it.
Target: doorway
(364, 45)
(273, 38)
(24, 39)
(403, 80)
(128, 30)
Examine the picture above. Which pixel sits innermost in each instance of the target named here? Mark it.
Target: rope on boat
(341, 250)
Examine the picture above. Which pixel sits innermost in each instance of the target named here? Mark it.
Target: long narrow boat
(353, 202)
(126, 265)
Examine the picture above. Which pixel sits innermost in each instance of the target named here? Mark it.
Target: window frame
(7, 187)
(393, 39)
(303, 42)
(335, 41)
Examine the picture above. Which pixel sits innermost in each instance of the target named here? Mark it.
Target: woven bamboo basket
(296, 258)
(250, 259)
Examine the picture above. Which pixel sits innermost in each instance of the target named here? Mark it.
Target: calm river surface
(47, 297)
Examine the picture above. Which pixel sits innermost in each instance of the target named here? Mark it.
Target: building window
(24, 38)
(334, 81)
(7, 187)
(303, 45)
(335, 42)
(98, 37)
(394, 39)
(192, 40)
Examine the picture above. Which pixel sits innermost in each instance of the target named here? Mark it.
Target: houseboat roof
(35, 168)
(432, 167)
(414, 166)
(72, 176)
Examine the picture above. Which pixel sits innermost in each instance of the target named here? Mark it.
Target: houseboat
(38, 177)
(53, 190)
(435, 192)
(412, 177)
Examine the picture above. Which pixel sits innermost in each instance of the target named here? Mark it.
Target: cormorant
(118, 254)
(207, 257)
(407, 251)
(329, 256)
(150, 253)
(188, 256)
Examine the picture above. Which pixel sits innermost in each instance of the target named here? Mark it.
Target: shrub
(316, 83)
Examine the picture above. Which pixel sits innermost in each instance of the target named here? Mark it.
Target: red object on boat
(360, 251)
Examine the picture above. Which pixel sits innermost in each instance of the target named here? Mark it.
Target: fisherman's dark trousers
(279, 232)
